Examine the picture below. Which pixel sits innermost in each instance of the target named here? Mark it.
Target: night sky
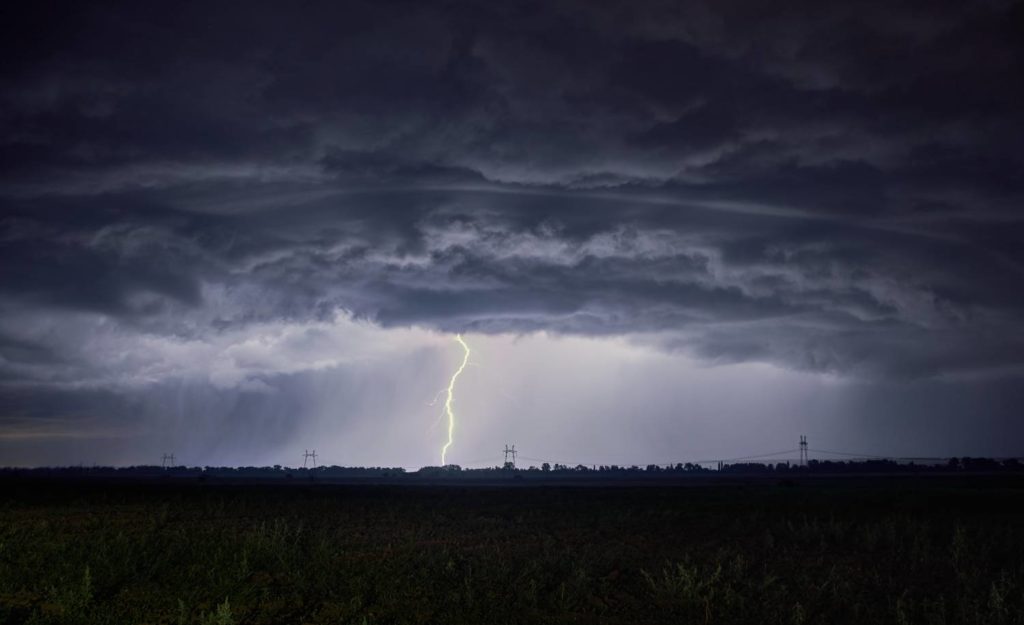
(669, 231)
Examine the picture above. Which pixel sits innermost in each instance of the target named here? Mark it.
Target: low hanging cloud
(822, 295)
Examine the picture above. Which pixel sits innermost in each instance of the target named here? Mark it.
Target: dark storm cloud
(828, 188)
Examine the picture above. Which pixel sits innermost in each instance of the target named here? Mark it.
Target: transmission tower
(511, 451)
(168, 458)
(803, 450)
(306, 456)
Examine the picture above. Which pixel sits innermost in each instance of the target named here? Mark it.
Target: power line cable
(771, 455)
(751, 457)
(852, 455)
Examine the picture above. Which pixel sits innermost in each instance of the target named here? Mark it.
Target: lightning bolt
(451, 391)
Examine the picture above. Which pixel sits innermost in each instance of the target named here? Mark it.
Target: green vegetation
(939, 550)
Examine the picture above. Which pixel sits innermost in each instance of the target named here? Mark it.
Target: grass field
(878, 550)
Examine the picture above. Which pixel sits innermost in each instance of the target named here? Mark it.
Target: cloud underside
(824, 190)
(819, 295)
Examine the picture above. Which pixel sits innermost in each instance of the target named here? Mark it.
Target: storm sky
(669, 231)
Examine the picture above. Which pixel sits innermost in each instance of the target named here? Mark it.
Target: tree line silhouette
(275, 472)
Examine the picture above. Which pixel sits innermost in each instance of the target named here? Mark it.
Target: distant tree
(545, 467)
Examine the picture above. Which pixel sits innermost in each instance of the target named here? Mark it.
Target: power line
(512, 451)
(803, 453)
(488, 461)
(543, 460)
(853, 455)
(754, 457)
(306, 456)
(707, 461)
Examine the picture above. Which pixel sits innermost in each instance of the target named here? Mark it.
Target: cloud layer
(830, 190)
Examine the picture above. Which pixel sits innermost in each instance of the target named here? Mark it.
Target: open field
(863, 550)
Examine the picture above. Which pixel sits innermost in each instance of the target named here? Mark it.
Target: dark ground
(940, 549)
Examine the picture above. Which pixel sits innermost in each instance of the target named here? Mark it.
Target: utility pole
(512, 451)
(803, 450)
(167, 458)
(306, 457)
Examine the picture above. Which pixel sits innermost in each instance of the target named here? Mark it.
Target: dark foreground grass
(852, 551)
